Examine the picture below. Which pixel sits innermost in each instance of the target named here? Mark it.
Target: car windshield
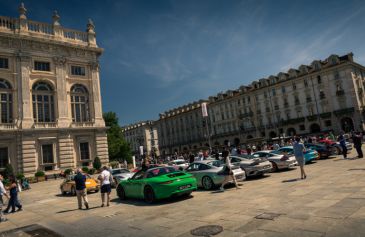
(179, 162)
(160, 171)
(119, 171)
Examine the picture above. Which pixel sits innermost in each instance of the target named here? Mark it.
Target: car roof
(203, 161)
(290, 147)
(178, 160)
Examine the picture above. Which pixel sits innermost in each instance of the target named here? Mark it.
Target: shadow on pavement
(70, 210)
(139, 202)
(252, 178)
(290, 180)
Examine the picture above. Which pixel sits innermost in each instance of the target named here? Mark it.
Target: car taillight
(284, 158)
(167, 182)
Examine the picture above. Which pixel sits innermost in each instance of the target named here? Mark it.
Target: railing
(75, 35)
(82, 124)
(40, 29)
(7, 126)
(7, 23)
(45, 125)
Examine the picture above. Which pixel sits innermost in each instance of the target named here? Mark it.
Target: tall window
(4, 157)
(78, 71)
(6, 102)
(47, 154)
(84, 151)
(80, 104)
(43, 103)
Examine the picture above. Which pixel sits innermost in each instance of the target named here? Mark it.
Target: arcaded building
(50, 107)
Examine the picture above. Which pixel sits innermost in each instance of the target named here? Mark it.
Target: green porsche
(157, 183)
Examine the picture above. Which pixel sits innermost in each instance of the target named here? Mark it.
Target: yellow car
(69, 186)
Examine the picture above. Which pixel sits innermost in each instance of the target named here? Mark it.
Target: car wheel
(207, 183)
(149, 195)
(121, 193)
(73, 191)
(274, 167)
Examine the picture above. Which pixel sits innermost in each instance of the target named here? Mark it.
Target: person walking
(105, 186)
(13, 201)
(81, 192)
(2, 193)
(227, 171)
(299, 156)
(357, 140)
(342, 141)
(191, 157)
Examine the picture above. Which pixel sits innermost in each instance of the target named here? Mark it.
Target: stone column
(24, 91)
(96, 95)
(64, 119)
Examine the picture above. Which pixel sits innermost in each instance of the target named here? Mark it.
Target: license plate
(185, 187)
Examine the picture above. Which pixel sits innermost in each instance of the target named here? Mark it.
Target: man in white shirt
(2, 193)
(105, 186)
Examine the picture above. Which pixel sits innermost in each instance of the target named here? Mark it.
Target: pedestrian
(2, 193)
(191, 157)
(105, 186)
(13, 201)
(342, 140)
(81, 192)
(248, 149)
(299, 156)
(227, 171)
(357, 140)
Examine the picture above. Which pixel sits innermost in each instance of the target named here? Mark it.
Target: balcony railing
(82, 124)
(45, 125)
(7, 126)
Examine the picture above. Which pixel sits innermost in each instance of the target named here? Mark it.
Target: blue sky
(163, 54)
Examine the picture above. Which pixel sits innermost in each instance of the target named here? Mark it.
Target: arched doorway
(347, 125)
(237, 141)
(291, 132)
(272, 134)
(314, 128)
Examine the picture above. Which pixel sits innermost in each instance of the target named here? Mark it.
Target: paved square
(330, 202)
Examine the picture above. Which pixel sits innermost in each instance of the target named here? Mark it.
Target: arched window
(80, 104)
(6, 102)
(43, 103)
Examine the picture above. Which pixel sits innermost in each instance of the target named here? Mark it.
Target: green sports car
(157, 183)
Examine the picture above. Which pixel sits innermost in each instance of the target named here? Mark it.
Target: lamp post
(205, 116)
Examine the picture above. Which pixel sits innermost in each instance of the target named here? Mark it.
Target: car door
(134, 185)
(194, 170)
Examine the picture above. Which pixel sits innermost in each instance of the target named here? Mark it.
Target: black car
(323, 150)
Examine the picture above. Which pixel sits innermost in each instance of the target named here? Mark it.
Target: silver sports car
(251, 165)
(278, 161)
(209, 173)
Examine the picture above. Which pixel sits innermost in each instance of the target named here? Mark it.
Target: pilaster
(102, 146)
(98, 114)
(63, 117)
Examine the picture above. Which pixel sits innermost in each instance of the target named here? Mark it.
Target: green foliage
(68, 171)
(39, 174)
(97, 163)
(20, 176)
(91, 171)
(8, 171)
(6, 182)
(114, 164)
(85, 169)
(118, 148)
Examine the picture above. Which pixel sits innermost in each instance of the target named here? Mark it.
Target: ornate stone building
(325, 95)
(50, 108)
(142, 134)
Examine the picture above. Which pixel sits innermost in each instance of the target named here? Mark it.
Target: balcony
(325, 115)
(45, 125)
(340, 93)
(294, 121)
(347, 111)
(312, 117)
(7, 126)
(82, 124)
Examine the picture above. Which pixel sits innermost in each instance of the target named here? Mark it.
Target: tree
(118, 147)
(97, 163)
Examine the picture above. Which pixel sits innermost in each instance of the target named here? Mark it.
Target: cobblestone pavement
(330, 202)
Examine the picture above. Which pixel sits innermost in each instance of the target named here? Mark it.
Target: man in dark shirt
(357, 140)
(81, 191)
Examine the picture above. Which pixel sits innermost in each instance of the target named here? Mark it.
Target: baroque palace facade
(50, 108)
(324, 96)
